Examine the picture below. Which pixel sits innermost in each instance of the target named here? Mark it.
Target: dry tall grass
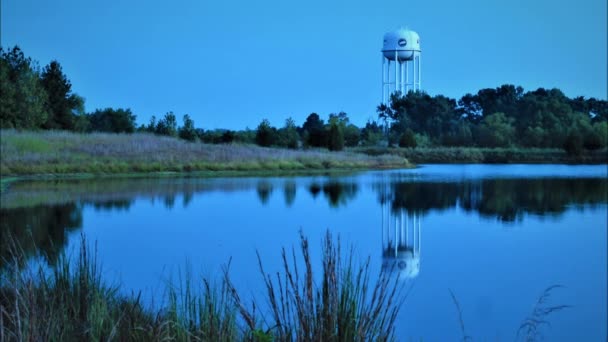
(345, 306)
(27, 153)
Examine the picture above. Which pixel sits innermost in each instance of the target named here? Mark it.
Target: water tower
(401, 238)
(401, 244)
(400, 63)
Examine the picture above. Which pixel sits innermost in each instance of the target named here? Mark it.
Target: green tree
(151, 125)
(408, 139)
(313, 130)
(266, 134)
(336, 135)
(459, 133)
(167, 125)
(352, 135)
(434, 116)
(187, 131)
(573, 144)
(601, 130)
(350, 132)
(288, 135)
(496, 130)
(62, 105)
(112, 120)
(22, 97)
(227, 137)
(371, 134)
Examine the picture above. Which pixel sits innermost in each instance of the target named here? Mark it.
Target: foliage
(371, 134)
(573, 144)
(187, 131)
(495, 130)
(288, 135)
(336, 135)
(352, 135)
(266, 135)
(23, 101)
(408, 139)
(112, 120)
(62, 105)
(313, 131)
(167, 125)
(497, 117)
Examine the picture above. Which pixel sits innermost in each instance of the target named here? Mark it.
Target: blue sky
(231, 63)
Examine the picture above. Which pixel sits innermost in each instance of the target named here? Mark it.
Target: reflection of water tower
(401, 242)
(400, 59)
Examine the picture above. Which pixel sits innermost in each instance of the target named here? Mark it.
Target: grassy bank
(72, 302)
(465, 155)
(60, 152)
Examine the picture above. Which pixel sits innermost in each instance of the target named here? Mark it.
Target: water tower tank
(402, 41)
(403, 265)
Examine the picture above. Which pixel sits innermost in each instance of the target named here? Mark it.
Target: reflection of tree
(187, 198)
(314, 189)
(505, 199)
(338, 193)
(289, 191)
(39, 230)
(169, 201)
(420, 197)
(264, 189)
(509, 199)
(123, 204)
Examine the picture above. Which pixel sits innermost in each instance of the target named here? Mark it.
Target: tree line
(506, 116)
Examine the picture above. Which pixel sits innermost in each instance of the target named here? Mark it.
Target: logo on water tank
(402, 42)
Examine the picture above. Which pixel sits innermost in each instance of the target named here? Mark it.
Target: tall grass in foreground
(342, 308)
(529, 329)
(71, 302)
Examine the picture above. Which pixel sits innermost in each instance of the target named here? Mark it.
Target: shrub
(408, 139)
(573, 144)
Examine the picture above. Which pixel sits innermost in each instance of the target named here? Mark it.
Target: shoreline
(61, 154)
(6, 181)
(484, 155)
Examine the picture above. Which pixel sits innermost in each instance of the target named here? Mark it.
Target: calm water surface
(496, 236)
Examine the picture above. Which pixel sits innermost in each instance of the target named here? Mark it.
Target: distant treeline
(34, 98)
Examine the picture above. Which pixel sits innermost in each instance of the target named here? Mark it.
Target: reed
(71, 301)
(344, 305)
(531, 327)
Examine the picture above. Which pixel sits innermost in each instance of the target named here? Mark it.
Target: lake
(496, 236)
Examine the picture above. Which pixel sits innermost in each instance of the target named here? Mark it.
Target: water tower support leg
(396, 71)
(383, 79)
(419, 72)
(407, 79)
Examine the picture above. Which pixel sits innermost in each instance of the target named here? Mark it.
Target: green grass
(514, 155)
(25, 153)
